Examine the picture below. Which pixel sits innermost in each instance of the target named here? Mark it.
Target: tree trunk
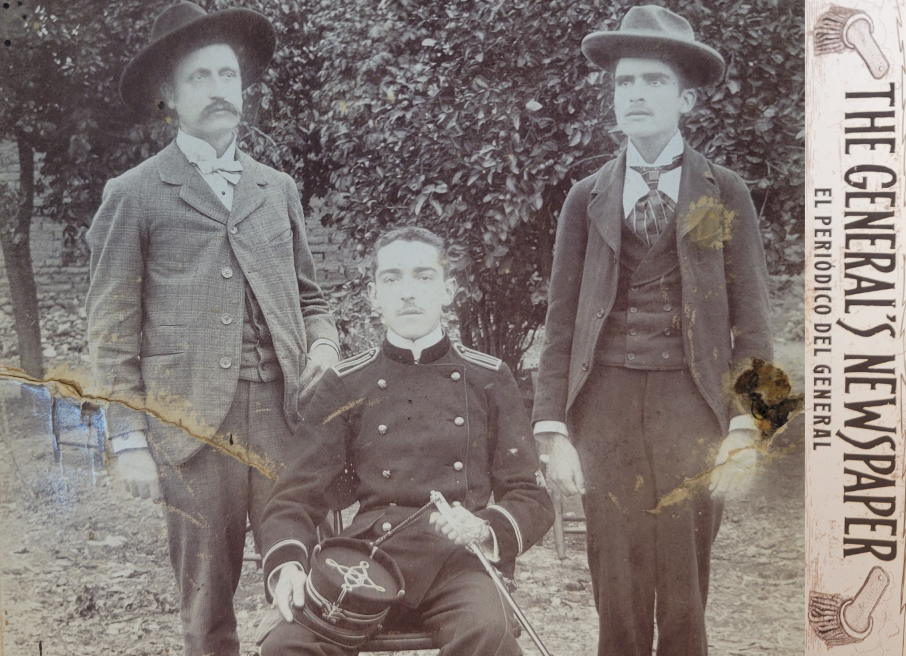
(15, 240)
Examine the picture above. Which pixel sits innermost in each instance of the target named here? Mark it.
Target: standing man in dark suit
(419, 413)
(206, 325)
(658, 296)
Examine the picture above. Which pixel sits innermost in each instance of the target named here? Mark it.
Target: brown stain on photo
(764, 392)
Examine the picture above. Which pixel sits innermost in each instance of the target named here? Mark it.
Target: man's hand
(290, 590)
(564, 470)
(466, 527)
(734, 466)
(320, 359)
(138, 471)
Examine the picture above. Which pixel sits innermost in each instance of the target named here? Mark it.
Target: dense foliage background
(470, 117)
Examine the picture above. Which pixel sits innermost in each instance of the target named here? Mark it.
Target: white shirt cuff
(548, 426)
(743, 422)
(129, 441)
(326, 341)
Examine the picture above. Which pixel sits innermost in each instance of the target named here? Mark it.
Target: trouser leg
(206, 514)
(209, 499)
(293, 639)
(684, 436)
(620, 492)
(468, 615)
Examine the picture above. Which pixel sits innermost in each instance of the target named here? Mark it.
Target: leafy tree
(58, 74)
(473, 118)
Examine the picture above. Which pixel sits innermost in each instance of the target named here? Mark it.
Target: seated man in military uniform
(417, 414)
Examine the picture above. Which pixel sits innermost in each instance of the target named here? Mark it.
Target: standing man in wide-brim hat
(658, 296)
(206, 325)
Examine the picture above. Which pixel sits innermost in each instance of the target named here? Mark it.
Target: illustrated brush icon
(841, 28)
(841, 621)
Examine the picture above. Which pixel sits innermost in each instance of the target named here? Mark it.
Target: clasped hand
(290, 590)
(465, 527)
(734, 467)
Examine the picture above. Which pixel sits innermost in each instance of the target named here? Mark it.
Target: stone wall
(62, 289)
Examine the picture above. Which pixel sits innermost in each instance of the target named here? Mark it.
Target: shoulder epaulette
(356, 362)
(479, 358)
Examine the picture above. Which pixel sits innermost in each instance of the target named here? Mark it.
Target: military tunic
(391, 431)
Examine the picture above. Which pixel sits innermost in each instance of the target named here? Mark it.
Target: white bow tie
(229, 171)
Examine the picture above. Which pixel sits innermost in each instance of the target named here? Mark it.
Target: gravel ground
(84, 569)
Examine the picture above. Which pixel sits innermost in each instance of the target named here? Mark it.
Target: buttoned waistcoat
(724, 314)
(166, 300)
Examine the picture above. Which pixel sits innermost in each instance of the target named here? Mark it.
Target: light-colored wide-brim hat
(179, 29)
(652, 32)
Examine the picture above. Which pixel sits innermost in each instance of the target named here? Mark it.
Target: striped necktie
(654, 211)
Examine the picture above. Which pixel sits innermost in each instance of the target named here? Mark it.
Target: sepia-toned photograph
(465, 327)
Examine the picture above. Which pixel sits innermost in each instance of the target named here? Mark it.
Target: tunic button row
(382, 429)
(457, 466)
(459, 421)
(226, 319)
(225, 363)
(455, 376)
(226, 272)
(382, 383)
(386, 526)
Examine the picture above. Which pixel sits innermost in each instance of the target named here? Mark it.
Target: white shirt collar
(634, 185)
(417, 345)
(673, 149)
(199, 150)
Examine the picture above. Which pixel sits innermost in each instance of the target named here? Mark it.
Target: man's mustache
(220, 106)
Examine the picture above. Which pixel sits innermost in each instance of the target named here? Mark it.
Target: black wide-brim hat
(185, 27)
(652, 32)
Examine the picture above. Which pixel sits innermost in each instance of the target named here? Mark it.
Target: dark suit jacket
(724, 283)
(454, 423)
(166, 300)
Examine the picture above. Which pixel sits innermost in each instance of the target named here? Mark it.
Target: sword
(444, 509)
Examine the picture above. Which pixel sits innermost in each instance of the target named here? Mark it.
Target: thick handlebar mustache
(222, 105)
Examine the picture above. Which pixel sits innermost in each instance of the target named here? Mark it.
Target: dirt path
(84, 568)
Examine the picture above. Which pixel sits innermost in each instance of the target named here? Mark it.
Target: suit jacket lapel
(249, 193)
(175, 169)
(605, 209)
(697, 188)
